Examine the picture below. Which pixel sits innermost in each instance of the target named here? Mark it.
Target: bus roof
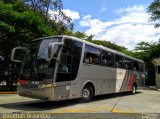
(91, 44)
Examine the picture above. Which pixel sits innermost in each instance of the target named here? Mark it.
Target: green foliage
(19, 25)
(150, 51)
(154, 11)
(79, 34)
(109, 45)
(60, 19)
(147, 52)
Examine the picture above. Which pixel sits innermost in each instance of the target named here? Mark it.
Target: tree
(52, 12)
(79, 34)
(147, 52)
(109, 45)
(19, 25)
(154, 10)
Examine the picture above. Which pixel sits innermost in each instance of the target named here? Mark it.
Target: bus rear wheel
(87, 94)
(134, 89)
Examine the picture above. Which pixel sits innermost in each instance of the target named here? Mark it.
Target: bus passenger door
(68, 66)
(64, 75)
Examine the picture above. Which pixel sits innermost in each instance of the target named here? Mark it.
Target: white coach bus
(64, 67)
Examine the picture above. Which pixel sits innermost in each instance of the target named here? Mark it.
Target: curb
(11, 92)
(153, 88)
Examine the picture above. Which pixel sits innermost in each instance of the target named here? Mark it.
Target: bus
(64, 67)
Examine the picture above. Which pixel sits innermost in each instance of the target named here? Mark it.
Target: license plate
(27, 93)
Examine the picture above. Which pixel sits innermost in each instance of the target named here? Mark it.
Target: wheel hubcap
(86, 93)
(134, 89)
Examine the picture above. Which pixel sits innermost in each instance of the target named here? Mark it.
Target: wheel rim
(134, 89)
(86, 93)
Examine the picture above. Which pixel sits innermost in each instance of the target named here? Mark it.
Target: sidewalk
(153, 88)
(8, 92)
(5, 90)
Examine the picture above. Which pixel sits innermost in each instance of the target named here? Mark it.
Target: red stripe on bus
(131, 81)
(22, 81)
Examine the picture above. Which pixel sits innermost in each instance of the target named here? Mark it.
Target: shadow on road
(114, 95)
(40, 105)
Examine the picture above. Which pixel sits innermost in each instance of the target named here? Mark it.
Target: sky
(123, 22)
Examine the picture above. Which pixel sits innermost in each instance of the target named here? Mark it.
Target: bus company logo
(119, 73)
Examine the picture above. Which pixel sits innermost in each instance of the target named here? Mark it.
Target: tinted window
(92, 55)
(107, 59)
(119, 61)
(141, 66)
(70, 60)
(36, 65)
(136, 65)
(128, 63)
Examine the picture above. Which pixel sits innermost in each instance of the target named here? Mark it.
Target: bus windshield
(36, 65)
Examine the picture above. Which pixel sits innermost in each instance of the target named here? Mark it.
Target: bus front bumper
(40, 93)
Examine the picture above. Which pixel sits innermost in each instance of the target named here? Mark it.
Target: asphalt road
(138, 105)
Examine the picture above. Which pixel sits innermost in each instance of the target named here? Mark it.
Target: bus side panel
(130, 78)
(62, 92)
(109, 81)
(126, 81)
(102, 77)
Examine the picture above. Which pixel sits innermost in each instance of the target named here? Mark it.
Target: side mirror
(17, 54)
(53, 48)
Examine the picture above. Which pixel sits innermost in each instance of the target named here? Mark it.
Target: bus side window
(92, 55)
(141, 66)
(135, 66)
(119, 61)
(128, 63)
(107, 59)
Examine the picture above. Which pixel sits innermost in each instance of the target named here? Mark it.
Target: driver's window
(65, 63)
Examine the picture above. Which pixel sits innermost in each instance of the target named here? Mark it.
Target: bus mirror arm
(14, 52)
(51, 48)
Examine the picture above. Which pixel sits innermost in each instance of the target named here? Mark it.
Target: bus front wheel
(87, 94)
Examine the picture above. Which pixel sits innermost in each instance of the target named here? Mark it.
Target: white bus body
(78, 69)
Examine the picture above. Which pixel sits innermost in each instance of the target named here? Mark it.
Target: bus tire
(87, 94)
(134, 89)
